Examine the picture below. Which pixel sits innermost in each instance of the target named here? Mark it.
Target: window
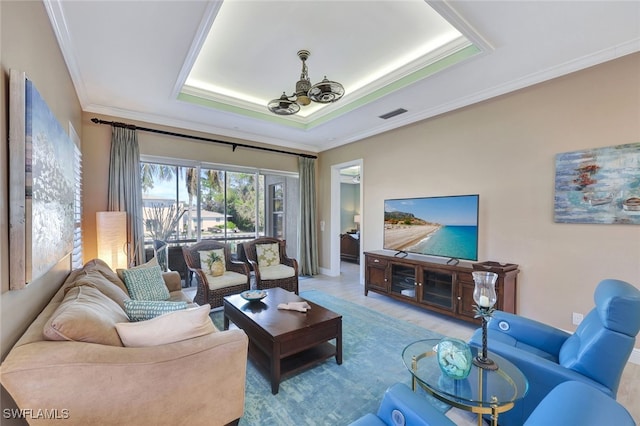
(188, 203)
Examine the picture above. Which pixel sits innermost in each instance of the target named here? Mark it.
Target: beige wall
(28, 44)
(504, 149)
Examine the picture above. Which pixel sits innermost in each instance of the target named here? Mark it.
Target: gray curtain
(307, 238)
(125, 190)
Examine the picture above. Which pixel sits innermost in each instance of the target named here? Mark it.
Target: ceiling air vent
(393, 113)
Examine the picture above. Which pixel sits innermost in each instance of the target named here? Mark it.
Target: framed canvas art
(600, 185)
(41, 185)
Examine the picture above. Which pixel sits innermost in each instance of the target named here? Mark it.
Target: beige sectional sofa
(94, 379)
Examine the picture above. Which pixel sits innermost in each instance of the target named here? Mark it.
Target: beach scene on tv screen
(438, 226)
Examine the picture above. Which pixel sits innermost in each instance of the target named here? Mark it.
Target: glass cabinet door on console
(403, 280)
(437, 288)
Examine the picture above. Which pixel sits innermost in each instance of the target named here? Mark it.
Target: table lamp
(484, 294)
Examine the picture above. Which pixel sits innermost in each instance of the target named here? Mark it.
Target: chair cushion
(268, 254)
(228, 279)
(85, 315)
(276, 272)
(141, 310)
(146, 283)
(168, 328)
(497, 336)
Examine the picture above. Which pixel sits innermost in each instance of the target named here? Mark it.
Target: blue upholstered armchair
(568, 404)
(400, 406)
(595, 354)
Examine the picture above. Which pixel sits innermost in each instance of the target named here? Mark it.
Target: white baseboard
(634, 358)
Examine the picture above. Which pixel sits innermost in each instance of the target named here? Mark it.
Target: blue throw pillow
(145, 283)
(141, 310)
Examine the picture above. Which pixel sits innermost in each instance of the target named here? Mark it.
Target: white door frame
(334, 226)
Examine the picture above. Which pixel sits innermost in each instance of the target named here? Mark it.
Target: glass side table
(482, 392)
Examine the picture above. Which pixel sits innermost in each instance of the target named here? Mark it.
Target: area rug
(331, 394)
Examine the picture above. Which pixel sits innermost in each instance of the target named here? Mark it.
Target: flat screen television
(436, 226)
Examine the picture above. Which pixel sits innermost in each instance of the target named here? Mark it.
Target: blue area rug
(331, 394)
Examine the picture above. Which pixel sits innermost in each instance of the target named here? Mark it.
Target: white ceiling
(133, 59)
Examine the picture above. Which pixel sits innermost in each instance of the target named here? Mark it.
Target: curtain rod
(233, 145)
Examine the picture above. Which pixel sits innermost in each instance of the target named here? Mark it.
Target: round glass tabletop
(482, 387)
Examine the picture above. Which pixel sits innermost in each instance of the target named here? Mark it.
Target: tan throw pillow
(168, 328)
(86, 315)
(107, 287)
(204, 262)
(268, 254)
(152, 262)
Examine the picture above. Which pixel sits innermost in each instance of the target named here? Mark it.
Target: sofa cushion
(141, 310)
(168, 328)
(85, 315)
(100, 266)
(98, 281)
(146, 283)
(268, 254)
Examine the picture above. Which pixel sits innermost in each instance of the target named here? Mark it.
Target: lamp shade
(356, 218)
(111, 235)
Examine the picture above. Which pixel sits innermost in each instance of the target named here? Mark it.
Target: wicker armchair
(208, 290)
(264, 275)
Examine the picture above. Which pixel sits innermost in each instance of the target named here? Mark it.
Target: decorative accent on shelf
(484, 294)
(454, 358)
(324, 92)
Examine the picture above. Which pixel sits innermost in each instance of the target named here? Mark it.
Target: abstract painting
(41, 186)
(600, 185)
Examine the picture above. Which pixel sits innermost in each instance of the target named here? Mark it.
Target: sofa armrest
(528, 331)
(172, 280)
(198, 381)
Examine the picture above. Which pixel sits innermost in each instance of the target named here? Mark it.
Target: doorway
(347, 216)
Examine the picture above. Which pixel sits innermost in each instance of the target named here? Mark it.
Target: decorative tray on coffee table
(253, 295)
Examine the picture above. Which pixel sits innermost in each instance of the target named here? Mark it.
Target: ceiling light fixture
(324, 92)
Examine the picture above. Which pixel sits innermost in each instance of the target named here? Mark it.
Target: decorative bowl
(454, 358)
(253, 295)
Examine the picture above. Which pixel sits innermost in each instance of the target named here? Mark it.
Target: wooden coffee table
(283, 342)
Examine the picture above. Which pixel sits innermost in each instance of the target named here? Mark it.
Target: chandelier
(324, 92)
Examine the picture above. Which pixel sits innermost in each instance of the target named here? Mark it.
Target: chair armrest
(290, 262)
(528, 331)
(172, 280)
(256, 269)
(239, 267)
(574, 403)
(415, 408)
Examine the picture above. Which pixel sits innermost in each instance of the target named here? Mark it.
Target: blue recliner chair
(400, 406)
(595, 354)
(568, 404)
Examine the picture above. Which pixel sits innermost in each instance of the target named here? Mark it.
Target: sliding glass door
(184, 204)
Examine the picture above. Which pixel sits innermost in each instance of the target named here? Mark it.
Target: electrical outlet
(576, 318)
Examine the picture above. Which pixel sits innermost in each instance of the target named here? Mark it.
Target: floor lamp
(111, 234)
